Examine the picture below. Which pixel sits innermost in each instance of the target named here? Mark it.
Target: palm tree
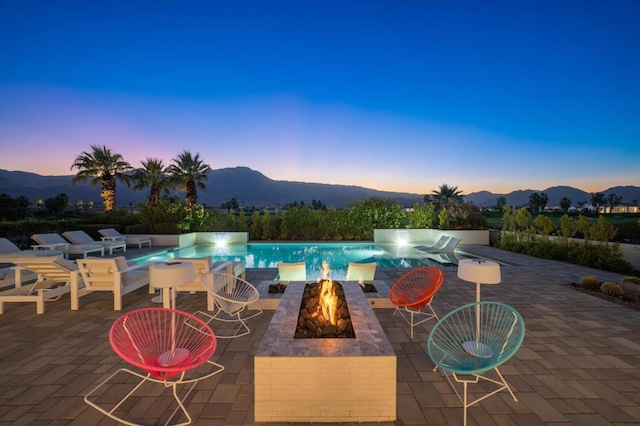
(538, 201)
(565, 204)
(447, 195)
(153, 174)
(104, 167)
(189, 172)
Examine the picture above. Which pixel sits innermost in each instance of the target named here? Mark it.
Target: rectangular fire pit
(325, 380)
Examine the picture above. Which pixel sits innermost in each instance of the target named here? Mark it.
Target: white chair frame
(230, 297)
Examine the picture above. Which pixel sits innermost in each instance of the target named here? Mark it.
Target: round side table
(169, 275)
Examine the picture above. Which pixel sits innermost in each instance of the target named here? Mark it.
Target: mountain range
(252, 188)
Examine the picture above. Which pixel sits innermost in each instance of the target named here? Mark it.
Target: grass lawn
(626, 224)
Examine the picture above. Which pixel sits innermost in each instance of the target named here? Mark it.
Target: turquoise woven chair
(475, 339)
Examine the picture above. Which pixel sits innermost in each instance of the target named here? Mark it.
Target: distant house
(622, 208)
(554, 209)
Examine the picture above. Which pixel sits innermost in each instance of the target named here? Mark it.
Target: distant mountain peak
(252, 188)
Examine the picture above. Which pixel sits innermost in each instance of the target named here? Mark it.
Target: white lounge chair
(442, 241)
(10, 251)
(448, 248)
(54, 241)
(113, 275)
(51, 270)
(112, 234)
(361, 272)
(443, 258)
(81, 237)
(288, 272)
(14, 276)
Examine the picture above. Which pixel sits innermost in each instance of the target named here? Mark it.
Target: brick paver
(579, 363)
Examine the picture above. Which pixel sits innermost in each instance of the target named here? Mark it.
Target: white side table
(169, 275)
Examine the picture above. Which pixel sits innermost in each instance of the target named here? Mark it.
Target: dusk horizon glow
(394, 96)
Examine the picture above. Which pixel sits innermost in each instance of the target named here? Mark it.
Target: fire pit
(297, 380)
(324, 312)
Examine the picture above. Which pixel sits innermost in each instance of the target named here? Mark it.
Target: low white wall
(180, 240)
(428, 236)
(222, 237)
(193, 238)
(631, 253)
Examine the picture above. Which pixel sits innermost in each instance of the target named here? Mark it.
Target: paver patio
(579, 363)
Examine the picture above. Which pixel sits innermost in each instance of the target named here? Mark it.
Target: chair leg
(143, 378)
(409, 314)
(475, 378)
(237, 317)
(464, 416)
(110, 413)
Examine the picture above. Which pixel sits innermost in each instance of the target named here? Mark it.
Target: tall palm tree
(447, 195)
(189, 172)
(104, 167)
(153, 174)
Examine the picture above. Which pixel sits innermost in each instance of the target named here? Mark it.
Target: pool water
(267, 255)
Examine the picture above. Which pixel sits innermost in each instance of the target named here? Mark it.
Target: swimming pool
(267, 255)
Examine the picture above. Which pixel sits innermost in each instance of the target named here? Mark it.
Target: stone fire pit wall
(325, 380)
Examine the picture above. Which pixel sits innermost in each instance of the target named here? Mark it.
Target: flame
(328, 298)
(325, 272)
(329, 301)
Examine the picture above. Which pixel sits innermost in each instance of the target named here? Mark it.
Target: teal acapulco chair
(473, 340)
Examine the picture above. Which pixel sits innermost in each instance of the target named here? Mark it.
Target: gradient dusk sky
(391, 95)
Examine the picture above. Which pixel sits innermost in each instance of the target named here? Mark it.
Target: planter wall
(630, 252)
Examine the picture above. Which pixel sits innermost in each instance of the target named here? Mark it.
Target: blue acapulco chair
(473, 340)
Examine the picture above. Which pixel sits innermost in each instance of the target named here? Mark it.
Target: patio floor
(579, 363)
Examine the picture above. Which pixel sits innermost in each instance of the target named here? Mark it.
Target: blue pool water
(267, 255)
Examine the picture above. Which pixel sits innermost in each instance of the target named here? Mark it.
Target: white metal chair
(168, 345)
(232, 299)
(473, 340)
(361, 272)
(288, 272)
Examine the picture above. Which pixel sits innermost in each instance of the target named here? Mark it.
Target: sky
(401, 95)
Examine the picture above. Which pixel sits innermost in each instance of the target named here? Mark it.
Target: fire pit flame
(328, 301)
(328, 298)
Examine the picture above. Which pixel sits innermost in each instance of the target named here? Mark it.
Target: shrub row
(629, 287)
(523, 234)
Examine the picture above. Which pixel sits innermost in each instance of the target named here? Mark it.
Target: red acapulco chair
(413, 292)
(166, 344)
